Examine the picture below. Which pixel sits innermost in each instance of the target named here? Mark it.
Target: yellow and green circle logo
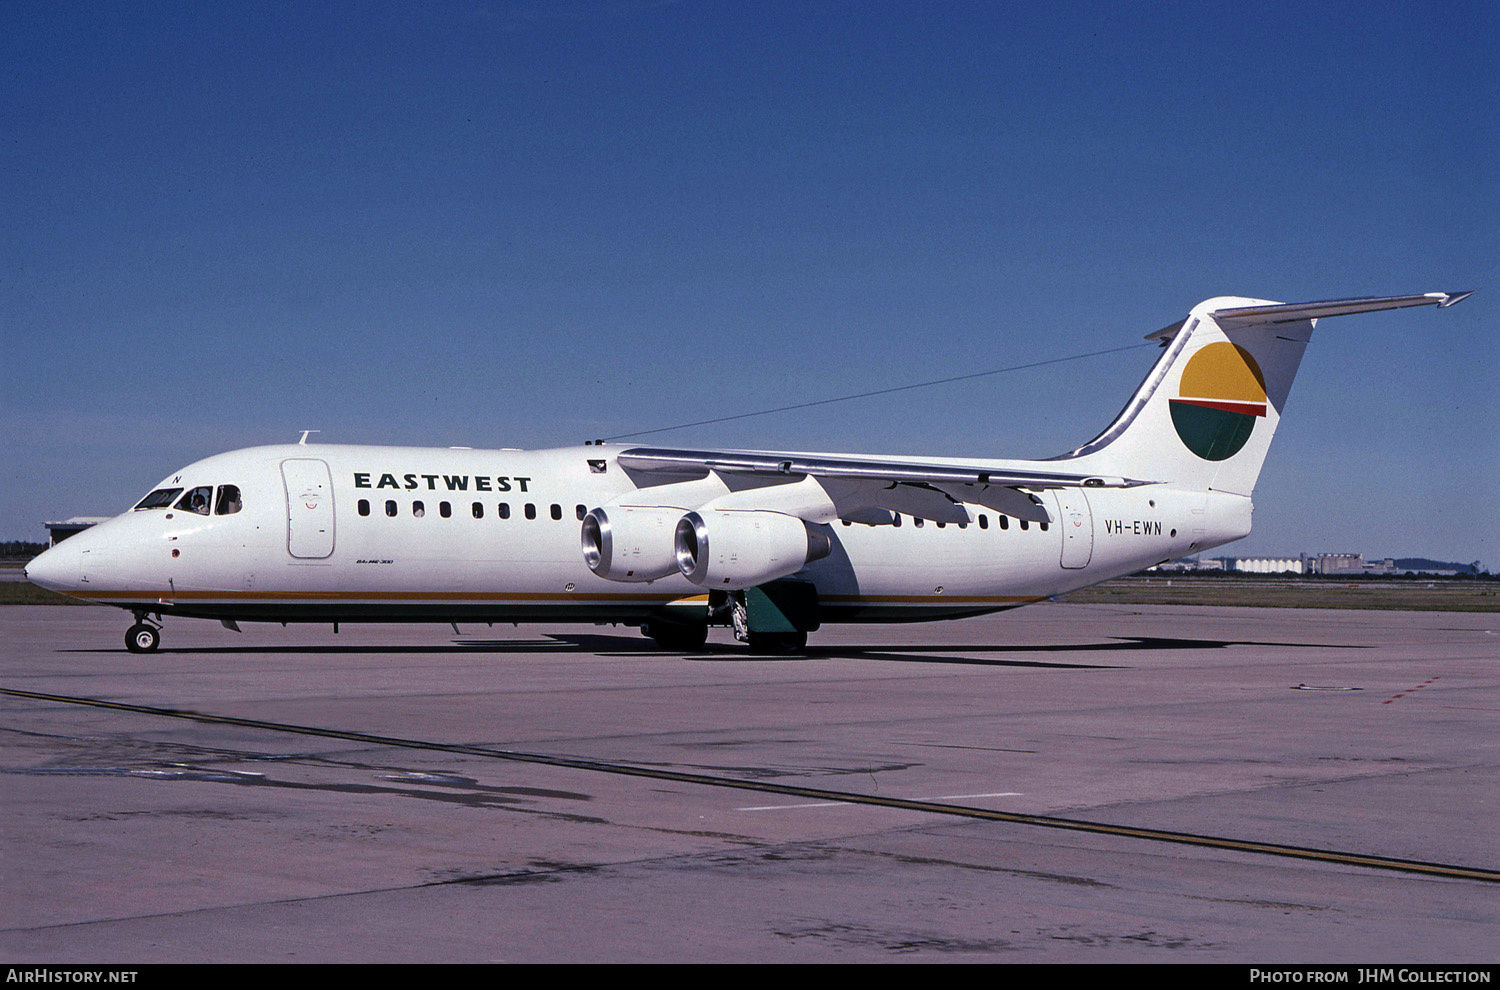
(1221, 395)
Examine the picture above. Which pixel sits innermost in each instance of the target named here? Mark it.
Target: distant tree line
(20, 550)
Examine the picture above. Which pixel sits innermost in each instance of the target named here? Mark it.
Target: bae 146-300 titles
(768, 543)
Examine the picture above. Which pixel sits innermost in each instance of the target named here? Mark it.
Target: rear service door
(309, 507)
(1077, 525)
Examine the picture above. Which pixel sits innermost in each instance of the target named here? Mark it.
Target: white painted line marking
(788, 807)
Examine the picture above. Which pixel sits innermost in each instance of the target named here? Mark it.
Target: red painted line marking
(1410, 690)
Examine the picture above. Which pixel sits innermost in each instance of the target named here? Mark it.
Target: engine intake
(734, 550)
(630, 544)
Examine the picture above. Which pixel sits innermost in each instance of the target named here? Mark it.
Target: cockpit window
(159, 499)
(196, 500)
(229, 501)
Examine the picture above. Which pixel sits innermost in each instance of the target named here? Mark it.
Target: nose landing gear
(142, 637)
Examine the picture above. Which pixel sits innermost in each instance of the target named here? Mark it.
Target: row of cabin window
(502, 509)
(984, 522)
(445, 509)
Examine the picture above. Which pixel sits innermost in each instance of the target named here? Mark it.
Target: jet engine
(630, 544)
(734, 550)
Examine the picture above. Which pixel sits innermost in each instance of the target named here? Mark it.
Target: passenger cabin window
(390, 507)
(478, 510)
(418, 509)
(1005, 522)
(984, 521)
(159, 499)
(228, 502)
(580, 512)
(445, 509)
(196, 500)
(364, 507)
(530, 511)
(556, 512)
(504, 509)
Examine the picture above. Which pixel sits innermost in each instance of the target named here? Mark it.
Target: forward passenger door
(309, 507)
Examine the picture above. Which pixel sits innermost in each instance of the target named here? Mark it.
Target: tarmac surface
(421, 830)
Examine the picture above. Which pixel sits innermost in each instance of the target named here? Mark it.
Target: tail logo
(1221, 395)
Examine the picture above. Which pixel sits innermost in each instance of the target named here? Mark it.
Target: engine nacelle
(734, 550)
(630, 544)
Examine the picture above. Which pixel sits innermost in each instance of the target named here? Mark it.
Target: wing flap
(919, 501)
(1009, 501)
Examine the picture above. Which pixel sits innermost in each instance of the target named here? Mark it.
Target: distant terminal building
(59, 531)
(1353, 563)
(1339, 563)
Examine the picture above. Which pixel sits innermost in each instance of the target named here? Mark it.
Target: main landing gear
(777, 643)
(783, 638)
(678, 637)
(143, 637)
(771, 620)
(681, 638)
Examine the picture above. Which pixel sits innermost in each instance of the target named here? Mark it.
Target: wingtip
(1452, 298)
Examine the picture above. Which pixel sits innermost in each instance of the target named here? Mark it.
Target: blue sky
(529, 224)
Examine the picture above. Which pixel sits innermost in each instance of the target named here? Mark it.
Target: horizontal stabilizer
(1295, 312)
(1271, 313)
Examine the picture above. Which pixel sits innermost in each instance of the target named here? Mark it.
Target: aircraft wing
(868, 489)
(672, 460)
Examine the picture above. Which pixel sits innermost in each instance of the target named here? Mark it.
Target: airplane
(769, 543)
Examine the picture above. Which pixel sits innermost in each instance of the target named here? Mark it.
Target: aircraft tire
(778, 644)
(141, 638)
(676, 636)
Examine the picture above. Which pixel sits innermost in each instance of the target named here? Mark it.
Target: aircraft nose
(57, 569)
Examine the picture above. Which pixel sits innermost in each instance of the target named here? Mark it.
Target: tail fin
(1205, 415)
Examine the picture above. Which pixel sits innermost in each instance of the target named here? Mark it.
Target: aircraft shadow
(948, 653)
(634, 646)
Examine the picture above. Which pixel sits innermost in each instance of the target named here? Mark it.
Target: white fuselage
(408, 533)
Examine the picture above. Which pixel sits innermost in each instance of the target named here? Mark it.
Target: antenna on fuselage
(303, 441)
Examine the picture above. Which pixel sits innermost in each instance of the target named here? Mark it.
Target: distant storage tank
(1269, 565)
